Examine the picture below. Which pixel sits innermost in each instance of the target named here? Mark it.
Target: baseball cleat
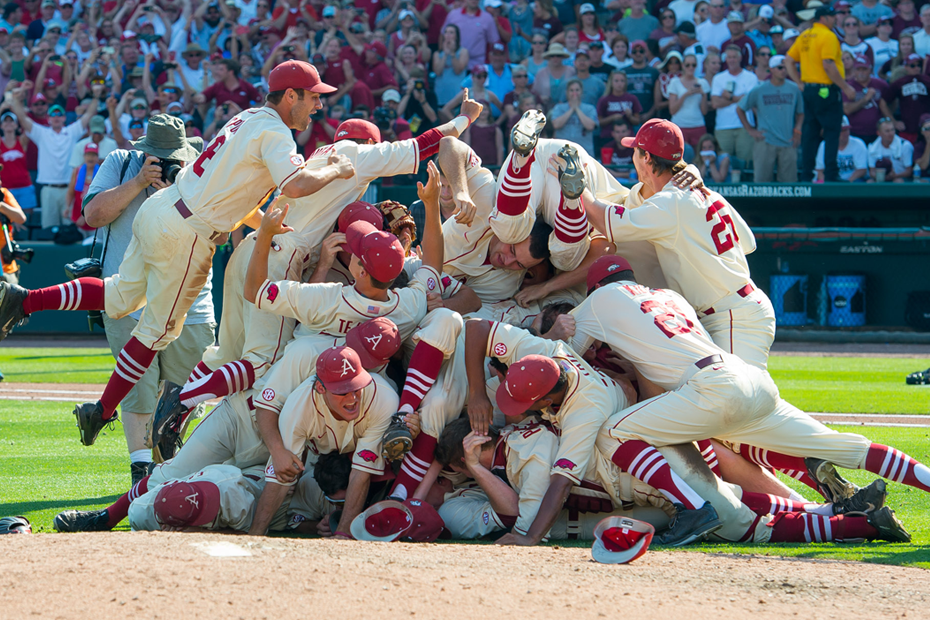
(397, 439)
(830, 483)
(687, 526)
(571, 178)
(888, 526)
(90, 421)
(168, 409)
(12, 314)
(525, 133)
(921, 377)
(866, 500)
(139, 470)
(82, 521)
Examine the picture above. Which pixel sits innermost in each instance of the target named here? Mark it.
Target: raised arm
(432, 243)
(272, 224)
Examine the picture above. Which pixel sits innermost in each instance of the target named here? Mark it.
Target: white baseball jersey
(314, 215)
(332, 309)
(250, 157)
(589, 400)
(306, 420)
(239, 490)
(701, 242)
(655, 329)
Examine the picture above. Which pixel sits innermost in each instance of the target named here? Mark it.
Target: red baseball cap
(341, 371)
(39, 97)
(360, 211)
(380, 252)
(605, 266)
(375, 341)
(187, 504)
(389, 520)
(660, 137)
(357, 129)
(91, 147)
(298, 75)
(527, 381)
(378, 48)
(619, 540)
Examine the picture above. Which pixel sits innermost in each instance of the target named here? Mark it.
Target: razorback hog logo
(342, 133)
(618, 210)
(272, 292)
(368, 456)
(564, 464)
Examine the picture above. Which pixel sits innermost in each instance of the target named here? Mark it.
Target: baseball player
(333, 262)
(342, 408)
(701, 243)
(175, 232)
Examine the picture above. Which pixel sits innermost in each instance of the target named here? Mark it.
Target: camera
(419, 85)
(171, 65)
(384, 118)
(288, 48)
(87, 268)
(11, 250)
(170, 169)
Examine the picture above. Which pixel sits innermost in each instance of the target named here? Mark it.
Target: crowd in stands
(81, 78)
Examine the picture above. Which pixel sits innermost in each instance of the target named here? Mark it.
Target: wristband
(461, 123)
(349, 536)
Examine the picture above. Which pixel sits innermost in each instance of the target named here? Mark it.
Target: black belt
(186, 213)
(55, 184)
(743, 292)
(707, 361)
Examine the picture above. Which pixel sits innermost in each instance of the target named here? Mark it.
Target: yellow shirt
(811, 49)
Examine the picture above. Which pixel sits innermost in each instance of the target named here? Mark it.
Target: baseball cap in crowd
(527, 380)
(340, 370)
(478, 69)
(766, 11)
(494, 4)
(390, 95)
(842, 4)
(380, 252)
(329, 11)
(98, 124)
(669, 56)
(821, 11)
(49, 83)
(298, 75)
(776, 29)
(735, 16)
(378, 48)
(91, 147)
(389, 520)
(136, 72)
(357, 129)
(777, 60)
(862, 60)
(187, 504)
(55, 110)
(376, 341)
(659, 137)
(139, 102)
(360, 211)
(790, 33)
(619, 540)
(39, 97)
(913, 57)
(7, 115)
(404, 14)
(810, 11)
(922, 123)
(886, 19)
(638, 43)
(499, 48)
(583, 50)
(587, 7)
(49, 3)
(685, 27)
(845, 122)
(174, 108)
(137, 123)
(605, 266)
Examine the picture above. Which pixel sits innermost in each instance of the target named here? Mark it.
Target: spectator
(477, 90)
(598, 66)
(689, 44)
(575, 120)
(642, 79)
(504, 29)
(406, 62)
(911, 93)
(922, 36)
(711, 162)
(727, 88)
(638, 24)
(906, 19)
(701, 13)
(340, 73)
(521, 86)
(761, 68)
(668, 71)
(922, 152)
(852, 157)
(98, 135)
(617, 106)
(537, 59)
(852, 43)
(401, 37)
(849, 62)
(521, 22)
(376, 72)
(570, 39)
(37, 27)
(550, 81)
(667, 34)
(620, 53)
(883, 47)
(477, 28)
(760, 29)
(14, 176)
(486, 138)
(545, 19)
(894, 69)
(228, 86)
(818, 51)
(735, 23)
(449, 65)
(418, 105)
(868, 12)
(891, 153)
(616, 155)
(592, 85)
(779, 112)
(589, 29)
(714, 31)
(684, 10)
(688, 101)
(191, 72)
(12, 14)
(81, 179)
(711, 66)
(500, 75)
(869, 104)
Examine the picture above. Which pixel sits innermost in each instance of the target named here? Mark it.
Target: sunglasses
(913, 65)
(763, 53)
(924, 128)
(668, 17)
(539, 42)
(520, 76)
(40, 103)
(779, 67)
(689, 65)
(56, 113)
(138, 107)
(638, 50)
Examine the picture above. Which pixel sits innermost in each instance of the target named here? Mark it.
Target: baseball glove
(15, 525)
(397, 217)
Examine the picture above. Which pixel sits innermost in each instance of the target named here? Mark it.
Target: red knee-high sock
(791, 466)
(414, 466)
(80, 294)
(514, 195)
(765, 503)
(421, 375)
(200, 371)
(710, 455)
(571, 225)
(807, 527)
(227, 379)
(646, 463)
(131, 364)
(894, 465)
(120, 508)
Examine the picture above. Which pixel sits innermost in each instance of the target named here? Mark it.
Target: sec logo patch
(268, 394)
(297, 160)
(500, 349)
(431, 284)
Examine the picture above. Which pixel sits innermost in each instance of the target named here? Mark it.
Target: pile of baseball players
(561, 357)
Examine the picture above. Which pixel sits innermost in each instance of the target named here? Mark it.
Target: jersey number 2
(208, 154)
(667, 316)
(723, 233)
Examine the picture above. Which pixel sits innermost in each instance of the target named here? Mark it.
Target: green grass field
(44, 469)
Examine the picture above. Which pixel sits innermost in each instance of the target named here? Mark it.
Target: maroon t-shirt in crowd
(746, 46)
(620, 155)
(436, 19)
(865, 121)
(244, 95)
(378, 76)
(612, 104)
(913, 95)
(899, 25)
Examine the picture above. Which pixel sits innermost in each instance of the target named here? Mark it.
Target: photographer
(11, 214)
(418, 105)
(122, 184)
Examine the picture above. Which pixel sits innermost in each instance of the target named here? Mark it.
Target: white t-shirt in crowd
(712, 35)
(882, 52)
(854, 157)
(689, 115)
(54, 150)
(742, 83)
(901, 154)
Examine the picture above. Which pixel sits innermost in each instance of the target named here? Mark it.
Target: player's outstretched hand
(273, 222)
(470, 107)
(472, 446)
(465, 209)
(343, 166)
(429, 193)
(480, 412)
